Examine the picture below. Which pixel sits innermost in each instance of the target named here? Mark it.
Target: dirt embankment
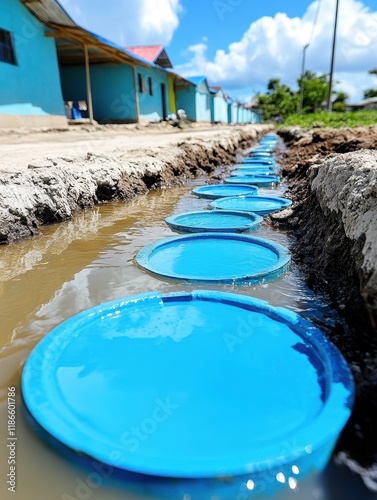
(47, 181)
(332, 179)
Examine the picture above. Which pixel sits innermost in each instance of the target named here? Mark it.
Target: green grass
(333, 120)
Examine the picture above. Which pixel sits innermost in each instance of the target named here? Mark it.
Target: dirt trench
(332, 180)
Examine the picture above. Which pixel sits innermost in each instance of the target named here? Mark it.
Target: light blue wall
(243, 115)
(112, 90)
(196, 101)
(203, 107)
(32, 86)
(254, 117)
(151, 105)
(203, 103)
(186, 99)
(220, 108)
(234, 113)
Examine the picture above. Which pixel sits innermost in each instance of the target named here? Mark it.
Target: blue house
(195, 98)
(132, 87)
(30, 90)
(232, 110)
(220, 106)
(155, 83)
(47, 60)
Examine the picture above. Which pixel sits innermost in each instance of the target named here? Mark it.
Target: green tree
(372, 92)
(315, 91)
(279, 100)
(339, 103)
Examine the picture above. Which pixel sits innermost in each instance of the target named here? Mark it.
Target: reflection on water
(88, 260)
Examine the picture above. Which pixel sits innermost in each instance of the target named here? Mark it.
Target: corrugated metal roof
(152, 53)
(148, 52)
(71, 38)
(49, 11)
(196, 80)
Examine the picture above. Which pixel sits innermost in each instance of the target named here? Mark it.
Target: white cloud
(135, 22)
(273, 47)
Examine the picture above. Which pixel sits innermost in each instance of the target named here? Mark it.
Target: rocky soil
(332, 178)
(65, 176)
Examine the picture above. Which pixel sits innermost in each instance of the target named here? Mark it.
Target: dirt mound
(332, 178)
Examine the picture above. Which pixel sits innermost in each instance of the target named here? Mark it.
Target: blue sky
(240, 44)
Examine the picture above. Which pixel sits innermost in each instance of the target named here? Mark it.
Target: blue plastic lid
(262, 149)
(251, 171)
(260, 153)
(214, 221)
(214, 258)
(256, 180)
(259, 161)
(256, 166)
(261, 205)
(197, 384)
(214, 191)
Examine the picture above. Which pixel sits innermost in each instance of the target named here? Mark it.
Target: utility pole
(329, 101)
(302, 79)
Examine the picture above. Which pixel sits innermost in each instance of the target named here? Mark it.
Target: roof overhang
(72, 40)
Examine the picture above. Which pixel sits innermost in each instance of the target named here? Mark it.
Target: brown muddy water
(80, 263)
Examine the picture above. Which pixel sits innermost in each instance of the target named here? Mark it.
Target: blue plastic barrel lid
(216, 257)
(256, 166)
(257, 204)
(214, 221)
(215, 191)
(188, 385)
(257, 180)
(253, 171)
(261, 160)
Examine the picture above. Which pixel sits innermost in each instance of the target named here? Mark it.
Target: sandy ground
(45, 176)
(21, 148)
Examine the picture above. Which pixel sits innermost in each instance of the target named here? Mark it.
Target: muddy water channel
(88, 260)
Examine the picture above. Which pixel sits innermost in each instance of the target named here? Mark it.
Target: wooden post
(88, 86)
(137, 108)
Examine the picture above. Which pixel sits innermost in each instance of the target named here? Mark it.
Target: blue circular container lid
(214, 191)
(214, 258)
(270, 167)
(261, 205)
(259, 161)
(192, 385)
(256, 180)
(214, 221)
(262, 149)
(251, 171)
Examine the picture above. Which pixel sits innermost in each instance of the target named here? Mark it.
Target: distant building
(253, 114)
(52, 70)
(369, 104)
(220, 105)
(194, 96)
(155, 85)
(232, 109)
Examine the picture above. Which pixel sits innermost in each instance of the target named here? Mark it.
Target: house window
(150, 88)
(6, 48)
(140, 83)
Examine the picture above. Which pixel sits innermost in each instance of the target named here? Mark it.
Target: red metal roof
(148, 52)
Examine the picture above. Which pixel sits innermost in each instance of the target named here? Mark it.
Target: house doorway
(163, 101)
